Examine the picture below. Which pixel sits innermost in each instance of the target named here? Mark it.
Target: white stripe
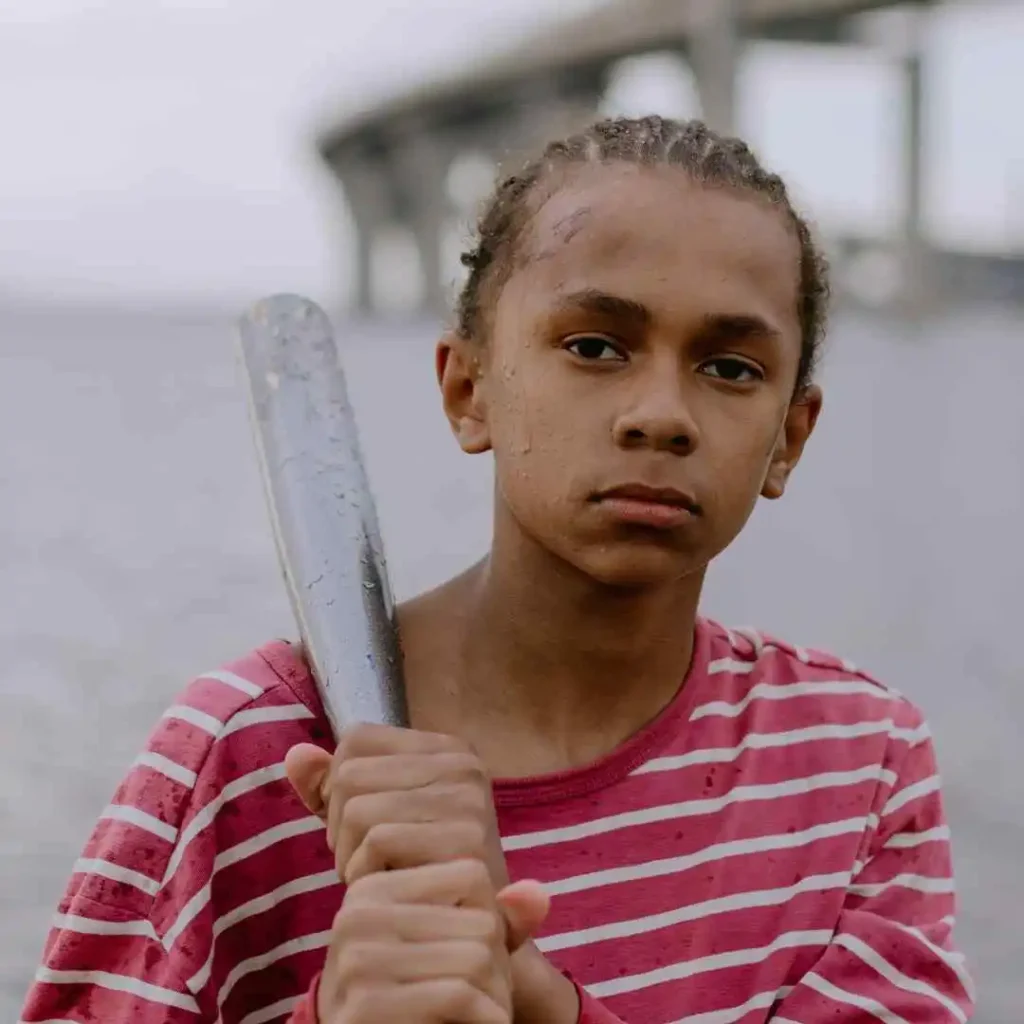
(863, 951)
(186, 916)
(260, 716)
(309, 883)
(731, 665)
(140, 819)
(296, 887)
(241, 786)
(235, 681)
(116, 873)
(198, 981)
(719, 851)
(840, 995)
(119, 983)
(735, 1013)
(165, 766)
(716, 962)
(693, 912)
(951, 958)
(669, 812)
(764, 740)
(785, 691)
(907, 840)
(90, 926)
(265, 839)
(909, 793)
(754, 638)
(270, 837)
(258, 963)
(281, 1008)
(906, 881)
(200, 719)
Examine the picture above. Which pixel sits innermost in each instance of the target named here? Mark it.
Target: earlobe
(797, 427)
(459, 376)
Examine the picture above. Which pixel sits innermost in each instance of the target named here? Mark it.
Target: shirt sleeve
(892, 957)
(104, 959)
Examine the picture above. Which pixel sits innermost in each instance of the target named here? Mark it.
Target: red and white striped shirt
(771, 848)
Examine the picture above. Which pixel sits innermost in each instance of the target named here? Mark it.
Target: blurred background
(165, 162)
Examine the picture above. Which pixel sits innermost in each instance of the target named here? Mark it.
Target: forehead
(653, 235)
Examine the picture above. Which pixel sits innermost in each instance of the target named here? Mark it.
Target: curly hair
(709, 158)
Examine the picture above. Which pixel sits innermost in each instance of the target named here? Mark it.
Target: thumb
(525, 906)
(307, 767)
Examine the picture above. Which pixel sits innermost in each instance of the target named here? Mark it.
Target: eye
(736, 371)
(595, 348)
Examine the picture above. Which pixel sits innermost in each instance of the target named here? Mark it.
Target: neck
(543, 667)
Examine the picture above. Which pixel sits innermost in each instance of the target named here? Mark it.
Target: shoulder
(210, 776)
(753, 669)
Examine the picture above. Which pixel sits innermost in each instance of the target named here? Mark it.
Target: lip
(660, 507)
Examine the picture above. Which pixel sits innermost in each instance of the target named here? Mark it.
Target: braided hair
(707, 157)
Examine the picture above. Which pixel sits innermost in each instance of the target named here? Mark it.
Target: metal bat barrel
(322, 512)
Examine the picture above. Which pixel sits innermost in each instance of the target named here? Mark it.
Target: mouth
(659, 507)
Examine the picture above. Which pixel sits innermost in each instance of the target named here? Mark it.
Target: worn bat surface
(322, 512)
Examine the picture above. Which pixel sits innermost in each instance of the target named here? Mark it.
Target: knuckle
(359, 1007)
(479, 962)
(363, 892)
(459, 997)
(355, 919)
(472, 837)
(354, 961)
(382, 842)
(473, 873)
(358, 812)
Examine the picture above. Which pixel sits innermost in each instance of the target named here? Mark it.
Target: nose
(659, 418)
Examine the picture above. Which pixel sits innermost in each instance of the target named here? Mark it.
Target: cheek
(742, 446)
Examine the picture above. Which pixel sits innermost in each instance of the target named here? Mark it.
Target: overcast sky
(162, 148)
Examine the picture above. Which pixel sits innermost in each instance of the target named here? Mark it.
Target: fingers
(441, 999)
(420, 945)
(414, 922)
(367, 740)
(525, 906)
(460, 883)
(307, 768)
(392, 845)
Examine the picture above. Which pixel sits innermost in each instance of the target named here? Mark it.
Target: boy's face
(647, 340)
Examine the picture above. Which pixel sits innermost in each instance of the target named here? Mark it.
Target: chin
(637, 568)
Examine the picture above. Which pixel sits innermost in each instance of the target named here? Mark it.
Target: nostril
(635, 435)
(680, 441)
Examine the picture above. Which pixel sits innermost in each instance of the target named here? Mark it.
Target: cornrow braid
(709, 158)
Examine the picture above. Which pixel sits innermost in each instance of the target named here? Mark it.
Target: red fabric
(771, 848)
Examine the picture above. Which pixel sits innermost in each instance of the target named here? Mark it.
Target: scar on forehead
(564, 230)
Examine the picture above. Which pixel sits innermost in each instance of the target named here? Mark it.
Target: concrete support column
(915, 247)
(421, 164)
(366, 188)
(715, 51)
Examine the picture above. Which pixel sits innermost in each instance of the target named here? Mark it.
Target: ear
(797, 427)
(459, 369)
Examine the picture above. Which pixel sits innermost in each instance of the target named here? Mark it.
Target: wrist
(541, 994)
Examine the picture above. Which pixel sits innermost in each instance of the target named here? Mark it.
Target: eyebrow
(592, 300)
(736, 326)
(724, 326)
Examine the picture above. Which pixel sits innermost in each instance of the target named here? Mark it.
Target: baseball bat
(321, 509)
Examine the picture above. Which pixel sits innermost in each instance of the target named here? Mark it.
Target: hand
(399, 798)
(424, 945)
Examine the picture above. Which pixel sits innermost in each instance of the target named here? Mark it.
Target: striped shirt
(771, 848)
